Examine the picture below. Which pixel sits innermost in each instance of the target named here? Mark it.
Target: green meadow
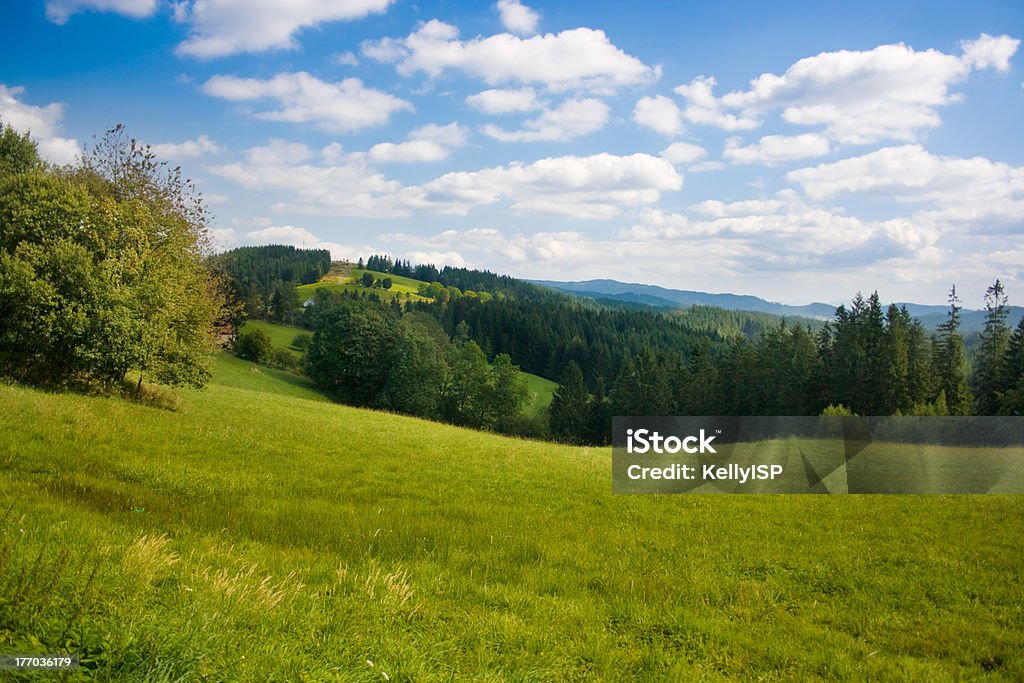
(261, 533)
(345, 278)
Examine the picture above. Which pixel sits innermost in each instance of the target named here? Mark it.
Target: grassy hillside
(344, 277)
(541, 390)
(260, 533)
(281, 336)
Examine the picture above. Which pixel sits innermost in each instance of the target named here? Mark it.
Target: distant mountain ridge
(662, 297)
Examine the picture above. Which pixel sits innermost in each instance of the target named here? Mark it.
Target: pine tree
(950, 361)
(570, 407)
(1012, 398)
(987, 381)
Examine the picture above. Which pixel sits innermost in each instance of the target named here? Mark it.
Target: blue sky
(799, 153)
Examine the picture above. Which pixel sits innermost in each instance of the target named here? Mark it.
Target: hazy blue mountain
(662, 297)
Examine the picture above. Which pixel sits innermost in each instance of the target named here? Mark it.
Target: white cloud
(429, 143)
(42, 122)
(345, 59)
(572, 119)
(59, 11)
(334, 107)
(659, 113)
(719, 209)
(859, 97)
(775, 149)
(703, 108)
(989, 52)
(186, 150)
(338, 186)
(497, 101)
(451, 135)
(225, 27)
(580, 58)
(517, 18)
(597, 187)
(975, 192)
(681, 153)
(284, 234)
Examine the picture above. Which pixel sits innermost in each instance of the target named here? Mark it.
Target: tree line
(263, 279)
(368, 353)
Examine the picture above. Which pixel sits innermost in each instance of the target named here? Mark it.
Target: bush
(283, 359)
(302, 342)
(254, 346)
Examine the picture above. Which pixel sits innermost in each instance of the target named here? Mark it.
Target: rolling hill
(972, 320)
(261, 533)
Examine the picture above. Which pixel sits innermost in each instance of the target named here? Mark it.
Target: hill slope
(262, 533)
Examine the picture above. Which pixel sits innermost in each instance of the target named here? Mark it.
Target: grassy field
(260, 533)
(345, 278)
(281, 336)
(541, 391)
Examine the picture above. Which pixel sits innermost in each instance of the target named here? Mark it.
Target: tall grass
(261, 533)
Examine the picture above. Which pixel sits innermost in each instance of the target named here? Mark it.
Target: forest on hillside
(869, 359)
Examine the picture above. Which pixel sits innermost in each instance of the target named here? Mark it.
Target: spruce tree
(987, 381)
(950, 366)
(570, 406)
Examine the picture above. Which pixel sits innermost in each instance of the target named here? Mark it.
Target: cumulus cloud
(580, 58)
(224, 27)
(572, 119)
(859, 97)
(660, 114)
(597, 187)
(774, 149)
(517, 17)
(953, 190)
(702, 107)
(681, 153)
(334, 107)
(189, 149)
(507, 101)
(990, 51)
(42, 122)
(429, 143)
(59, 11)
(337, 185)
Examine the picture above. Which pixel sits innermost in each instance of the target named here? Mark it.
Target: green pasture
(260, 533)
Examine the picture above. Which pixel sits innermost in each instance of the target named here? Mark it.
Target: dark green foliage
(570, 407)
(263, 278)
(386, 283)
(988, 383)
(367, 279)
(254, 346)
(353, 350)
(302, 342)
(951, 362)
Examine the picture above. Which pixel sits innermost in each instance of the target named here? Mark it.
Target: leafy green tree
(988, 382)
(104, 271)
(19, 153)
(508, 394)
(387, 283)
(367, 279)
(466, 400)
(255, 346)
(353, 350)
(570, 407)
(418, 374)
